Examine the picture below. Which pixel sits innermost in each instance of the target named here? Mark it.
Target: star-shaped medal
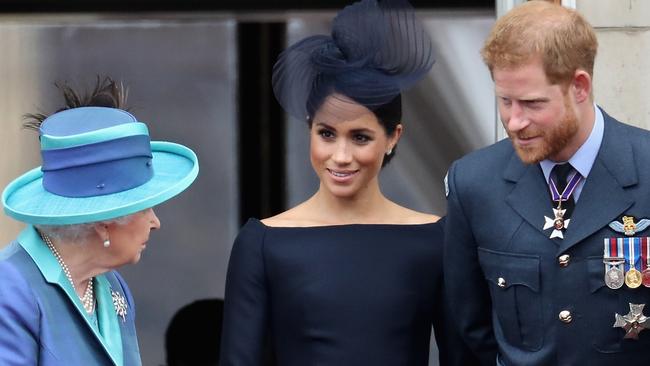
(120, 304)
(634, 322)
(558, 223)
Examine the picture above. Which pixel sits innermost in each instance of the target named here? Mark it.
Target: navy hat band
(98, 169)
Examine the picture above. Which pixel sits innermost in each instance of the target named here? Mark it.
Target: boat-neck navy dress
(338, 295)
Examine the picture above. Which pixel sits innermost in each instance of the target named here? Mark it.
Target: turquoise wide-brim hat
(98, 164)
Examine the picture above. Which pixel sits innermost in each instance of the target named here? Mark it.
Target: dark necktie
(560, 173)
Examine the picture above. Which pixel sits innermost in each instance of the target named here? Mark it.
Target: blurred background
(199, 73)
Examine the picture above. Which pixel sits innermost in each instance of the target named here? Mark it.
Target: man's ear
(581, 86)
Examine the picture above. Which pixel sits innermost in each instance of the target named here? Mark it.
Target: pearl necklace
(88, 299)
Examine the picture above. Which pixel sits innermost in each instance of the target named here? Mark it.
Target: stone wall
(622, 70)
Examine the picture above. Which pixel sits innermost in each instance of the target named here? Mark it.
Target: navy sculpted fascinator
(377, 49)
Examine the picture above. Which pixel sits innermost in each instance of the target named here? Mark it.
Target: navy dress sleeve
(245, 319)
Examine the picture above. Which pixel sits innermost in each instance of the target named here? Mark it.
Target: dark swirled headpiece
(377, 49)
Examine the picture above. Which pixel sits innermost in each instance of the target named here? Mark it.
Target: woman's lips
(342, 176)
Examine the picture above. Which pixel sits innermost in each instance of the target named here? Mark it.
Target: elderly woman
(88, 210)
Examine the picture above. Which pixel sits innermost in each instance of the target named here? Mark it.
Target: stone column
(19, 72)
(622, 70)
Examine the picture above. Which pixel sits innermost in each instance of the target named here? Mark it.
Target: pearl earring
(107, 243)
(390, 151)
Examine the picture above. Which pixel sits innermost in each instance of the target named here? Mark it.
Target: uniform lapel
(604, 197)
(529, 197)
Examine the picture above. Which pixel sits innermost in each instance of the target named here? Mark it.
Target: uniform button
(565, 316)
(564, 260)
(501, 282)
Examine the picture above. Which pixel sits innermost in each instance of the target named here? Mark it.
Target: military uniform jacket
(505, 279)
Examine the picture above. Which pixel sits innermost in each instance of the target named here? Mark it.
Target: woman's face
(348, 145)
(128, 240)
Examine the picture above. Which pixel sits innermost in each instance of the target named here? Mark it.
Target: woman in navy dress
(347, 277)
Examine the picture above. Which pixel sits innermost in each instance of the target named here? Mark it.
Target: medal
(614, 277)
(646, 277)
(633, 277)
(633, 322)
(645, 259)
(558, 222)
(614, 263)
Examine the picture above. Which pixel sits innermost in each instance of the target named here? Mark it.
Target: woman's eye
(327, 134)
(361, 138)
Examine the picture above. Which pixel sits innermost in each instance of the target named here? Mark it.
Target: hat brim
(175, 168)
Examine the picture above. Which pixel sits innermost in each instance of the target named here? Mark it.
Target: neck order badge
(560, 221)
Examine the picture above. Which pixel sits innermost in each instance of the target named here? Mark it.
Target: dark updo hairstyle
(389, 115)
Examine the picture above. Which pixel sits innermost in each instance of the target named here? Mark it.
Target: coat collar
(603, 197)
(48, 265)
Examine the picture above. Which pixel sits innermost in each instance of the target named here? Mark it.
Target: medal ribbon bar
(614, 261)
(645, 261)
(631, 252)
(645, 253)
(633, 278)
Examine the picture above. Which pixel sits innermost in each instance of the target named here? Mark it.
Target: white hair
(78, 233)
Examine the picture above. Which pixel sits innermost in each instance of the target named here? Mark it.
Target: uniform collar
(583, 159)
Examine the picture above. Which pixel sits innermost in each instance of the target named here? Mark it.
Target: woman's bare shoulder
(404, 215)
(298, 216)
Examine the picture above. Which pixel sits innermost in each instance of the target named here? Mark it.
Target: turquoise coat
(42, 321)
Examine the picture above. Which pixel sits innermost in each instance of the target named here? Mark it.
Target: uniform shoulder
(624, 143)
(626, 129)
(484, 163)
(497, 152)
(635, 132)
